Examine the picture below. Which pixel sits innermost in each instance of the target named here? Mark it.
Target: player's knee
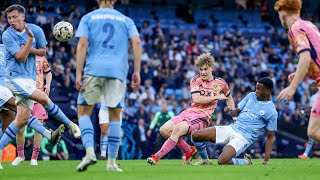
(164, 131)
(44, 100)
(195, 136)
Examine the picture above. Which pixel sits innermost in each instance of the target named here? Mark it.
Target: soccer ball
(63, 31)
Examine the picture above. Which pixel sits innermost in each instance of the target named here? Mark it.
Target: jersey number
(109, 29)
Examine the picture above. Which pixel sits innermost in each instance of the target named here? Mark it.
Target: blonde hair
(204, 59)
(290, 6)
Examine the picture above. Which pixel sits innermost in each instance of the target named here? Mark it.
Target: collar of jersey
(19, 33)
(264, 102)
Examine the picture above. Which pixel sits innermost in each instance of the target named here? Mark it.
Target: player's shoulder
(219, 79)
(195, 78)
(33, 26)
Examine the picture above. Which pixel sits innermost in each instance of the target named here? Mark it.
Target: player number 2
(109, 29)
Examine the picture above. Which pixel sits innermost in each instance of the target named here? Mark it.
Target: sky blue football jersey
(13, 40)
(255, 115)
(108, 32)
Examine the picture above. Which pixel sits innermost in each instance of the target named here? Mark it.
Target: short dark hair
(267, 82)
(15, 7)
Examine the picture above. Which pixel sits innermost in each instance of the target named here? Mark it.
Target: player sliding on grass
(206, 90)
(254, 112)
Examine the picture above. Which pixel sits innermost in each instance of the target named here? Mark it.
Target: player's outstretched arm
(137, 53)
(268, 148)
(38, 52)
(300, 74)
(81, 55)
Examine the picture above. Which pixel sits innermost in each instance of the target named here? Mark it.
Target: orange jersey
(42, 66)
(207, 89)
(305, 36)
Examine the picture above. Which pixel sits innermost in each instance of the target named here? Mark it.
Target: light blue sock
(309, 146)
(201, 149)
(8, 135)
(86, 128)
(238, 161)
(55, 111)
(1, 133)
(104, 143)
(35, 124)
(113, 139)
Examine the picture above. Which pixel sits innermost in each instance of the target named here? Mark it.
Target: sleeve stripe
(228, 94)
(303, 50)
(193, 92)
(47, 71)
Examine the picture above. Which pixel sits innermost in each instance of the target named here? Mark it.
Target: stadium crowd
(167, 67)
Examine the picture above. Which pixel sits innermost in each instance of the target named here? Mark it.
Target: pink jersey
(305, 36)
(207, 89)
(42, 66)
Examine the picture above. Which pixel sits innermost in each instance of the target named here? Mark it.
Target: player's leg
(87, 136)
(36, 147)
(20, 147)
(306, 152)
(314, 121)
(237, 144)
(55, 111)
(86, 100)
(114, 138)
(39, 112)
(103, 121)
(113, 91)
(207, 134)
(166, 129)
(179, 130)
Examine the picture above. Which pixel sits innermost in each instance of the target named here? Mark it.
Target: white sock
(90, 151)
(47, 134)
(111, 161)
(104, 153)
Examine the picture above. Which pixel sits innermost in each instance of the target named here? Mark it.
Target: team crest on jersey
(262, 112)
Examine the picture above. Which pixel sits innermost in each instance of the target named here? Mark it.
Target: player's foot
(248, 158)
(56, 135)
(34, 162)
(188, 155)
(87, 161)
(75, 130)
(113, 168)
(203, 162)
(303, 156)
(1, 166)
(17, 161)
(152, 160)
(102, 158)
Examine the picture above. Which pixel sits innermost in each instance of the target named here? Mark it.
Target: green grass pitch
(284, 169)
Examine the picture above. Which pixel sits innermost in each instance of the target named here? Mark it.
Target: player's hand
(227, 109)
(291, 76)
(47, 89)
(265, 162)
(135, 81)
(286, 93)
(79, 85)
(30, 34)
(220, 97)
